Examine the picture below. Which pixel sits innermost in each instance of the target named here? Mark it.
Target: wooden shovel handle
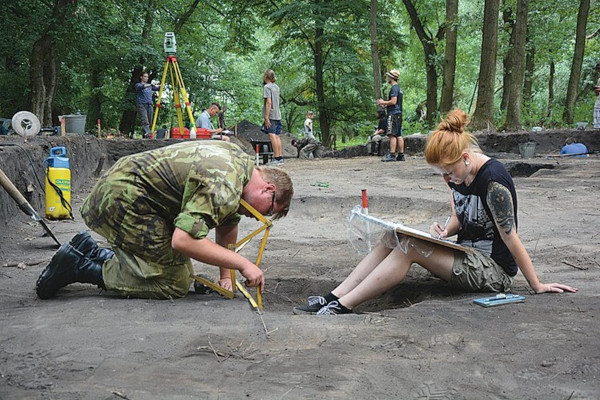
(12, 190)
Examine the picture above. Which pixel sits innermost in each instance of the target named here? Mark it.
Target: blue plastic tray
(499, 300)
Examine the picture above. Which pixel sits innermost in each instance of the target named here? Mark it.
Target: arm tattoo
(500, 202)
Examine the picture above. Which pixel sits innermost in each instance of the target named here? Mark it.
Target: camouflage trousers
(132, 276)
(145, 265)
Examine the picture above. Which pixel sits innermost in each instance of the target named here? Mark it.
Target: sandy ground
(419, 341)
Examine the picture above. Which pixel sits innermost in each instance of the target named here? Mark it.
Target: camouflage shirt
(194, 186)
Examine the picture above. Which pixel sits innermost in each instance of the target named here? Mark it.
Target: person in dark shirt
(393, 107)
(221, 118)
(143, 99)
(484, 215)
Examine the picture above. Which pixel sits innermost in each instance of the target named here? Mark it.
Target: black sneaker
(332, 308)
(400, 157)
(314, 304)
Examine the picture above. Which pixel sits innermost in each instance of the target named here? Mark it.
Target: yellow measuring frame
(266, 226)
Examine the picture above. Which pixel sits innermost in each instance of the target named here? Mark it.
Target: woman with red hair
(484, 215)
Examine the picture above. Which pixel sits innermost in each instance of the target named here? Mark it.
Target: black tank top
(477, 226)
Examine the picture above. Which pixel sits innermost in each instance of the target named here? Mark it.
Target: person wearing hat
(393, 107)
(597, 104)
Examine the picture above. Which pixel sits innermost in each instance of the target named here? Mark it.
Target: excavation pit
(312, 253)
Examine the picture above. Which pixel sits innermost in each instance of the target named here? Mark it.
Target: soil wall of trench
(23, 162)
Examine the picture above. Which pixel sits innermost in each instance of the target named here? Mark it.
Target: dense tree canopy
(59, 56)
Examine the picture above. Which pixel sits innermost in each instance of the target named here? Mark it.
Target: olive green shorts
(476, 272)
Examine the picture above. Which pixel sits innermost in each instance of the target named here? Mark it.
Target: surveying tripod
(179, 93)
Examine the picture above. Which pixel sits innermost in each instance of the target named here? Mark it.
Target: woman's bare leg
(362, 270)
(392, 270)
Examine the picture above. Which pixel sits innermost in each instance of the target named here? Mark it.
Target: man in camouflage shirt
(156, 208)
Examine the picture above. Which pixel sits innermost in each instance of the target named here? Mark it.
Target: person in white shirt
(308, 125)
(204, 122)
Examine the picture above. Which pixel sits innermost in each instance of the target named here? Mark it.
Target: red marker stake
(365, 202)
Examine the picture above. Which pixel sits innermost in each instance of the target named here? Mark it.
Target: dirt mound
(247, 132)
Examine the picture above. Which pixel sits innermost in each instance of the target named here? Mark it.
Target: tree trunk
(45, 69)
(529, 67)
(446, 100)
(45, 66)
(375, 50)
(582, 16)
(509, 26)
(95, 104)
(292, 117)
(319, 82)
(515, 94)
(551, 89)
(129, 116)
(181, 21)
(51, 82)
(430, 54)
(487, 67)
(38, 87)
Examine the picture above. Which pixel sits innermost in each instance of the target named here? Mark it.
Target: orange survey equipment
(203, 133)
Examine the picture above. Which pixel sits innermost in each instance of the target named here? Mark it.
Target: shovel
(24, 204)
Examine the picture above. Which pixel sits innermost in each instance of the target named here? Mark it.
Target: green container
(527, 149)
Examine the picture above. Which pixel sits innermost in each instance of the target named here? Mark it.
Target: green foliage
(355, 141)
(224, 48)
(345, 59)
